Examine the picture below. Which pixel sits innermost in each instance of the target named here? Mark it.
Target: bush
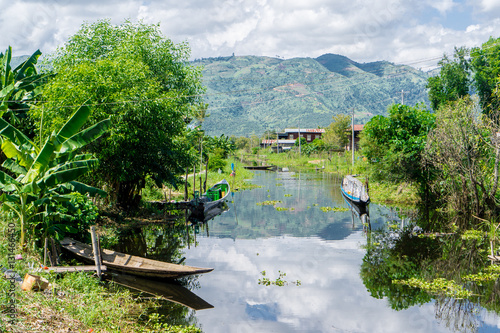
(216, 163)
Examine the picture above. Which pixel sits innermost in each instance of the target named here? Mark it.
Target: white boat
(354, 190)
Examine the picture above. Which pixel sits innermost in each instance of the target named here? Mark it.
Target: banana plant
(19, 87)
(47, 174)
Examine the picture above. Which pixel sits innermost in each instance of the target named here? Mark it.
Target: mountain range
(248, 95)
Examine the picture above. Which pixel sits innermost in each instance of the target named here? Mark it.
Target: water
(321, 254)
(322, 250)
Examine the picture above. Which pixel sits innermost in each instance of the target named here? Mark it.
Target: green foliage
(396, 255)
(269, 203)
(280, 280)
(301, 142)
(462, 151)
(73, 216)
(216, 163)
(453, 81)
(394, 146)
(46, 175)
(19, 89)
(438, 286)
(334, 209)
(485, 62)
(336, 134)
(140, 80)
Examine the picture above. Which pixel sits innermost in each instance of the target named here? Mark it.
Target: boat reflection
(360, 210)
(168, 290)
(203, 217)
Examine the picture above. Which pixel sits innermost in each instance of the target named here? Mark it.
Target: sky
(414, 32)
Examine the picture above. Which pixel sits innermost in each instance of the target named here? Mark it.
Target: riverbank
(79, 302)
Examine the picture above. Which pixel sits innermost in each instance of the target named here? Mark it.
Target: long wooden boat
(258, 167)
(131, 264)
(354, 190)
(214, 196)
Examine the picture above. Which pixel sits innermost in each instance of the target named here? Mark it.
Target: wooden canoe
(131, 264)
(258, 167)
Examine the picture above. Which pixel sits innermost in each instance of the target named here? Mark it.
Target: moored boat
(354, 190)
(214, 195)
(131, 264)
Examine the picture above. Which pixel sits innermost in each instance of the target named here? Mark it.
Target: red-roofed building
(308, 133)
(357, 131)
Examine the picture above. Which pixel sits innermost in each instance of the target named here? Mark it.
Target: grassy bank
(78, 302)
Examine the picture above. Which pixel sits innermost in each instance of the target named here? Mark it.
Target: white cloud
(363, 30)
(443, 6)
(489, 5)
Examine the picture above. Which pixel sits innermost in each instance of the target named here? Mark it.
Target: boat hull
(354, 190)
(131, 264)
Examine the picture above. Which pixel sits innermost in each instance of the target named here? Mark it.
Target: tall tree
(394, 145)
(139, 79)
(465, 149)
(336, 134)
(453, 81)
(485, 62)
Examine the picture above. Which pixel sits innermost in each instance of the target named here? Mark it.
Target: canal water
(317, 251)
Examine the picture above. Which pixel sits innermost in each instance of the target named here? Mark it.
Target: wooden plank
(64, 269)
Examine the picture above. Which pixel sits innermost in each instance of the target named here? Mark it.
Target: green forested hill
(248, 95)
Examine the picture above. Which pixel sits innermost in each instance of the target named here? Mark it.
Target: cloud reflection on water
(331, 297)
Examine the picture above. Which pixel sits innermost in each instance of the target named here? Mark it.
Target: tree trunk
(186, 185)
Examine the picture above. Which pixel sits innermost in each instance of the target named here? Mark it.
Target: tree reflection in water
(407, 253)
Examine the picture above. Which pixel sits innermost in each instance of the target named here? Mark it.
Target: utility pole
(352, 127)
(403, 96)
(277, 142)
(300, 149)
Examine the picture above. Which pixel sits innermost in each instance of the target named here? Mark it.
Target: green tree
(453, 81)
(485, 61)
(464, 149)
(336, 134)
(394, 146)
(139, 79)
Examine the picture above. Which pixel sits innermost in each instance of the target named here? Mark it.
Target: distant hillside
(16, 61)
(248, 95)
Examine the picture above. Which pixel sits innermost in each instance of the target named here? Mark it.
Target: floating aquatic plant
(438, 286)
(280, 281)
(333, 209)
(269, 203)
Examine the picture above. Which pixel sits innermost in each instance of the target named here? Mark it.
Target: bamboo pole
(96, 250)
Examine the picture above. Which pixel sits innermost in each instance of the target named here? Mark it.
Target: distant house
(287, 138)
(307, 133)
(357, 131)
(283, 144)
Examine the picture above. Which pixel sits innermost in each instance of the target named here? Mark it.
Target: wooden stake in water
(352, 127)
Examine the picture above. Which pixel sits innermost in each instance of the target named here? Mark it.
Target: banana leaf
(74, 123)
(84, 137)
